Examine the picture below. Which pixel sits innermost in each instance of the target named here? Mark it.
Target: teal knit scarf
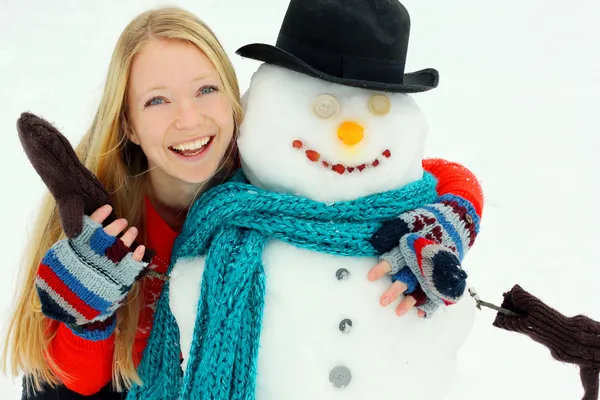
(229, 225)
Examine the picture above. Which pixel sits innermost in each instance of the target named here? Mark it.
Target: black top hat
(359, 43)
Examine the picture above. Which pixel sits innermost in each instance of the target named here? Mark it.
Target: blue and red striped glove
(83, 280)
(425, 248)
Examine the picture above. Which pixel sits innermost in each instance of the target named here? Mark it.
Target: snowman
(330, 117)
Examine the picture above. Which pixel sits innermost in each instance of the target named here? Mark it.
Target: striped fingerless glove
(425, 248)
(82, 281)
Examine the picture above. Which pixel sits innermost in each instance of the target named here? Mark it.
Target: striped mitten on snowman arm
(429, 245)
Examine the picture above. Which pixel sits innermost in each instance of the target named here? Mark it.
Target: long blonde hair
(121, 167)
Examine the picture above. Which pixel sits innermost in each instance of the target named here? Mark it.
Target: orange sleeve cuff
(454, 178)
(86, 365)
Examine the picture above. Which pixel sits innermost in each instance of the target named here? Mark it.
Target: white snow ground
(517, 103)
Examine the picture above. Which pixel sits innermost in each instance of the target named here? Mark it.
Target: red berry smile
(314, 156)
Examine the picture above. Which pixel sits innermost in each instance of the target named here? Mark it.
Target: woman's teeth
(191, 146)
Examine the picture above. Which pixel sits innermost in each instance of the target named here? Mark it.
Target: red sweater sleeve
(454, 178)
(86, 365)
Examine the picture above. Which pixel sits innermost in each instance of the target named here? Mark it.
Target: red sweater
(87, 365)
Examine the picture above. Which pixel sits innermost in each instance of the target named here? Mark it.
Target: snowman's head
(328, 142)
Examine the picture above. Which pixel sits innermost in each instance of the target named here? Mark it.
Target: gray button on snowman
(329, 116)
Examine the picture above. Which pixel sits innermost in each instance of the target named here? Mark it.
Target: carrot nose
(350, 133)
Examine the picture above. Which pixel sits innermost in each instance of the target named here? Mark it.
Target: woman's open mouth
(193, 148)
(315, 157)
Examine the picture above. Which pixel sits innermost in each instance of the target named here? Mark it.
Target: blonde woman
(163, 134)
(135, 147)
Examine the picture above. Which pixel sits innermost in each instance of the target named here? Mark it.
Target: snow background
(517, 103)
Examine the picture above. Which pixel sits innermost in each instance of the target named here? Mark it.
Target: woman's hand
(116, 227)
(396, 289)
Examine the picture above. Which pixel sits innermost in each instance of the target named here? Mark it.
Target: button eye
(326, 106)
(379, 104)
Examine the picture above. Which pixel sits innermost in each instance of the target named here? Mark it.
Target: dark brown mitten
(76, 190)
(574, 340)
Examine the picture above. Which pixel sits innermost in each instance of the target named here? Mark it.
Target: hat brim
(413, 82)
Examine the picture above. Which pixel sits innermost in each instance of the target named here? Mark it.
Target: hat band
(344, 66)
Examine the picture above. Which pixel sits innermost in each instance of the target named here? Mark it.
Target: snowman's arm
(574, 340)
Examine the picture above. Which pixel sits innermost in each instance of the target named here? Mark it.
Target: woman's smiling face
(177, 111)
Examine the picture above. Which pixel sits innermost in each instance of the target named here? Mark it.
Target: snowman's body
(306, 333)
(324, 333)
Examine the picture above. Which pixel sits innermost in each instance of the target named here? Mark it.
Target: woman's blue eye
(154, 101)
(207, 89)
